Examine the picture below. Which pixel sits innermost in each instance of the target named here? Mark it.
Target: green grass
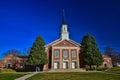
(114, 70)
(7, 70)
(11, 76)
(101, 68)
(75, 76)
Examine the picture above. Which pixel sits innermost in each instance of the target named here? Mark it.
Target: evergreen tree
(37, 56)
(91, 53)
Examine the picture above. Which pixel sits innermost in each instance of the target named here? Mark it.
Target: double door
(65, 65)
(73, 65)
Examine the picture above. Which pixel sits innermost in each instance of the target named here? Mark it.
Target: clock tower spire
(64, 31)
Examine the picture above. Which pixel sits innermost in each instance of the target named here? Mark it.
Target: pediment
(65, 43)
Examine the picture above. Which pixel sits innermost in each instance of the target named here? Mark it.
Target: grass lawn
(114, 70)
(11, 76)
(75, 76)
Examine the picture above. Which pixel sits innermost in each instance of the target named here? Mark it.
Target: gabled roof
(52, 42)
(74, 42)
(59, 40)
(22, 56)
(104, 56)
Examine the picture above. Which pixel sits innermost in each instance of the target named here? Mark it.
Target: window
(5, 60)
(56, 54)
(65, 29)
(4, 65)
(73, 54)
(65, 54)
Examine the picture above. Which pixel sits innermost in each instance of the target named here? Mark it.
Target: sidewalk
(67, 70)
(27, 76)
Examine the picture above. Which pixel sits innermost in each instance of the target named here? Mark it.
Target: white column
(70, 66)
(61, 60)
(78, 60)
(52, 59)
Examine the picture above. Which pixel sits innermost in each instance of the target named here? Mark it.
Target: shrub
(7, 70)
(87, 67)
(101, 68)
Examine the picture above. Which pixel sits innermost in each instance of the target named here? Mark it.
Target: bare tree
(111, 53)
(13, 60)
(26, 51)
(12, 51)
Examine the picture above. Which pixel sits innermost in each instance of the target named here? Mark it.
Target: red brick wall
(64, 45)
(107, 61)
(56, 58)
(10, 57)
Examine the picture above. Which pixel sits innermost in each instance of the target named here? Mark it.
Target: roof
(13, 55)
(75, 42)
(22, 56)
(63, 18)
(105, 56)
(52, 42)
(59, 40)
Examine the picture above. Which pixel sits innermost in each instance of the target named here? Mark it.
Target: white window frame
(74, 54)
(65, 54)
(56, 52)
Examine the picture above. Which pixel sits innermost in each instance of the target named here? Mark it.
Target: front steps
(67, 70)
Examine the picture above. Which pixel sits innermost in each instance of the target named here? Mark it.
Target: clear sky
(21, 21)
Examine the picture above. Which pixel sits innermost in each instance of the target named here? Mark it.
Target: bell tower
(64, 31)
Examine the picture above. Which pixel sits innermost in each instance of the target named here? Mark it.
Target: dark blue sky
(21, 21)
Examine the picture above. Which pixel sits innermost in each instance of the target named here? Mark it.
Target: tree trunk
(90, 67)
(41, 67)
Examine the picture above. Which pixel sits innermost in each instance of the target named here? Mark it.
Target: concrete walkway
(109, 73)
(27, 76)
(67, 70)
(51, 71)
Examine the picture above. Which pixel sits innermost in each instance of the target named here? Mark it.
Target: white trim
(51, 43)
(75, 42)
(59, 40)
(55, 47)
(71, 41)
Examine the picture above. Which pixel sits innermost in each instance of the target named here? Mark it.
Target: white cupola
(64, 31)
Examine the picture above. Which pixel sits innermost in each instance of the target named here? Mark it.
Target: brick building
(107, 61)
(12, 61)
(63, 53)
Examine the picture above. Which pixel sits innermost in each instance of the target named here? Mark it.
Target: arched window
(65, 54)
(56, 54)
(73, 53)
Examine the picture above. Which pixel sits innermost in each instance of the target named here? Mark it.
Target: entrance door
(65, 65)
(73, 65)
(9, 65)
(56, 65)
(105, 65)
